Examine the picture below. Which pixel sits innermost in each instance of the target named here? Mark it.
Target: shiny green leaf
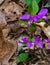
(33, 8)
(37, 1)
(40, 20)
(22, 57)
(28, 2)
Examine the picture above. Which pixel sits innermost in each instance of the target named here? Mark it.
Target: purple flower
(28, 43)
(36, 41)
(48, 46)
(41, 14)
(47, 41)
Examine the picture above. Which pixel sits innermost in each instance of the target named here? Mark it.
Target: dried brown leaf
(46, 30)
(7, 48)
(2, 18)
(12, 11)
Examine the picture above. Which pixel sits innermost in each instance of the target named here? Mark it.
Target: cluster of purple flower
(40, 15)
(36, 41)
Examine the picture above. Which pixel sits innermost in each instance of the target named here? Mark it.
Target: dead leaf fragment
(7, 48)
(12, 11)
(2, 18)
(46, 30)
(1, 1)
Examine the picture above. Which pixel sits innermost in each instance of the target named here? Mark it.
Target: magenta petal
(49, 46)
(42, 12)
(48, 41)
(29, 23)
(25, 17)
(24, 40)
(29, 44)
(33, 42)
(45, 17)
(45, 40)
(35, 19)
(40, 44)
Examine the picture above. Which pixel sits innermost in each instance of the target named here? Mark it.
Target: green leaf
(21, 22)
(28, 2)
(32, 27)
(33, 8)
(22, 57)
(30, 38)
(40, 20)
(37, 1)
(24, 44)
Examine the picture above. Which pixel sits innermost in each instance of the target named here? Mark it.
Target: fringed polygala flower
(38, 42)
(29, 44)
(40, 15)
(25, 40)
